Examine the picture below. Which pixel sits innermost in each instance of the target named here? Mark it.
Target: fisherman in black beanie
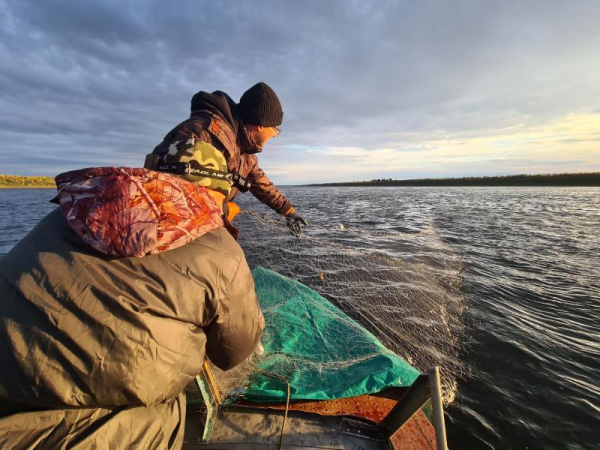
(260, 106)
(239, 131)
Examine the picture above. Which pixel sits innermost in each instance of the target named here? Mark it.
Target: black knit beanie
(260, 106)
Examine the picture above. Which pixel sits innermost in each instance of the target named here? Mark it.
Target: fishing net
(320, 351)
(403, 288)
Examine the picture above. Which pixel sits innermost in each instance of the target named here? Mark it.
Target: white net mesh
(404, 288)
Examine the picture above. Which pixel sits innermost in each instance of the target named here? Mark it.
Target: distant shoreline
(26, 182)
(591, 179)
(27, 187)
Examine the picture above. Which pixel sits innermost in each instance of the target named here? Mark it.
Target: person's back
(87, 322)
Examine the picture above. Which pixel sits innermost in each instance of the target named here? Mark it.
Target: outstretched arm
(264, 190)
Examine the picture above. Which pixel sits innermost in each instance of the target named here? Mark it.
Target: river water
(531, 259)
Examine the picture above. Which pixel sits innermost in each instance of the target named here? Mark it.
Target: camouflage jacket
(239, 150)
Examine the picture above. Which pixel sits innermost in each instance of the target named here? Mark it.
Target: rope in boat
(287, 401)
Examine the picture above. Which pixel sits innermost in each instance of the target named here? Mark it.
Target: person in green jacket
(110, 304)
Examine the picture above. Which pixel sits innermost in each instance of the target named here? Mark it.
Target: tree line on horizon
(26, 181)
(562, 179)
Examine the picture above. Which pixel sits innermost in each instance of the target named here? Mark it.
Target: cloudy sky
(370, 89)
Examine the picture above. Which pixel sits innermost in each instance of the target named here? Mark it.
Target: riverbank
(20, 182)
(564, 179)
(28, 187)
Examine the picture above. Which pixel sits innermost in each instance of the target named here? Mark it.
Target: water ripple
(531, 259)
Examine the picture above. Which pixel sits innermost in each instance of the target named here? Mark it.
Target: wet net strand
(403, 288)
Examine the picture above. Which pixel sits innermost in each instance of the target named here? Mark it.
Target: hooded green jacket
(80, 329)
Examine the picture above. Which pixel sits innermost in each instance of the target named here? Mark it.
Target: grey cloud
(575, 141)
(113, 77)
